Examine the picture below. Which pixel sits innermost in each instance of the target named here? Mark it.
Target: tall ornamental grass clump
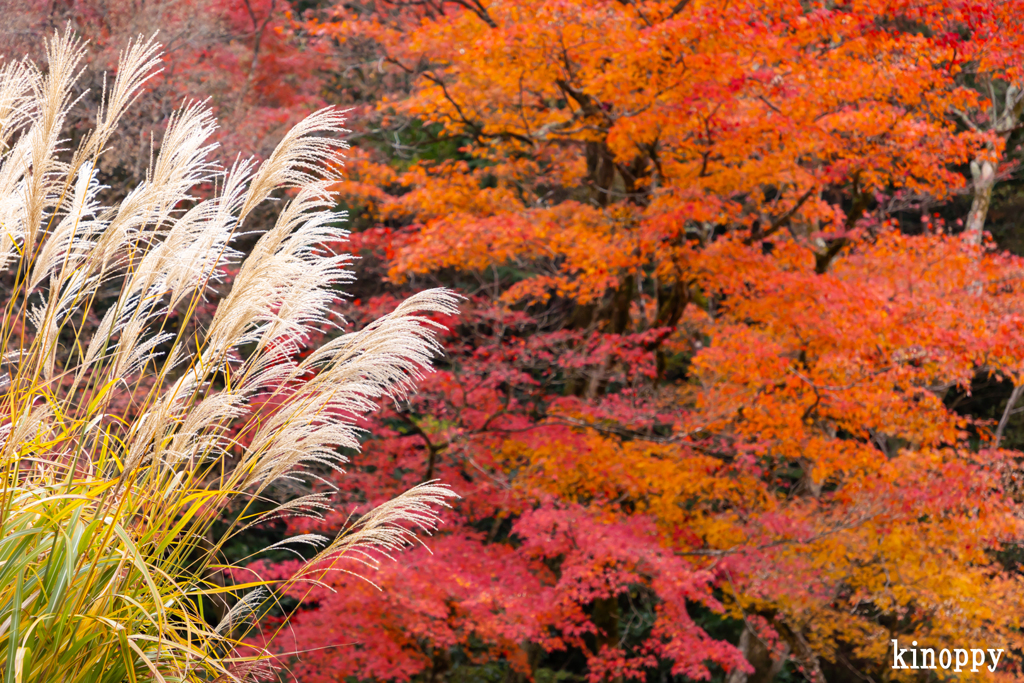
(127, 419)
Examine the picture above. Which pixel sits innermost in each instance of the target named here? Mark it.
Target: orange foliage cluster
(602, 135)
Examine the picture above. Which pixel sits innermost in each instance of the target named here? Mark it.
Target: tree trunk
(618, 322)
(605, 616)
(766, 666)
(600, 170)
(983, 173)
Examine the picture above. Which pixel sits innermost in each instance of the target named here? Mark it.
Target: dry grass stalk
(118, 404)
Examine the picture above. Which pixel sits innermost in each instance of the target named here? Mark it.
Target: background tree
(640, 179)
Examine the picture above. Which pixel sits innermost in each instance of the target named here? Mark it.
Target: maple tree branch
(398, 63)
(1013, 108)
(856, 672)
(704, 163)
(432, 448)
(966, 119)
(679, 7)
(776, 658)
(1014, 397)
(639, 12)
(823, 260)
(439, 82)
(845, 526)
(475, 129)
(845, 387)
(258, 29)
(705, 156)
(642, 436)
(770, 105)
(781, 221)
(497, 413)
(478, 9)
(581, 98)
(522, 108)
(992, 100)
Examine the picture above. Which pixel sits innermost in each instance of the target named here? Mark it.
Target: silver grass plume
(384, 531)
(122, 408)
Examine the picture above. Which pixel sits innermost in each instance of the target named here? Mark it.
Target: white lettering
(897, 656)
(957, 658)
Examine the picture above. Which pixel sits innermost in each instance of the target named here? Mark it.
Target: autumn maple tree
(697, 323)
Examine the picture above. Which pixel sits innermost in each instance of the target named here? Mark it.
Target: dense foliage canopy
(733, 393)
